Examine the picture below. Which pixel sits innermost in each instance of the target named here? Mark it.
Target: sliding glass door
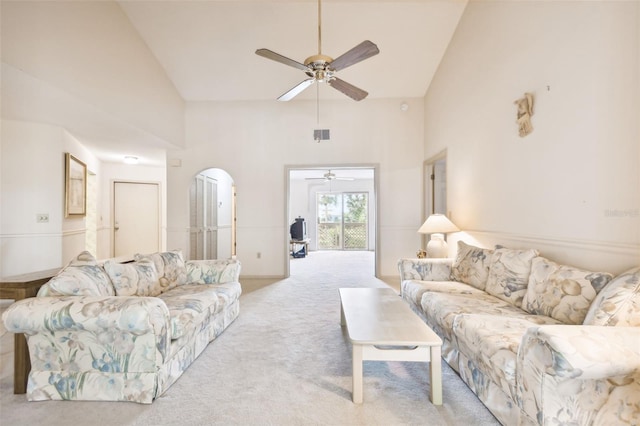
(342, 220)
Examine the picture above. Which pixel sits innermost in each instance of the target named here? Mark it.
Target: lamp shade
(437, 224)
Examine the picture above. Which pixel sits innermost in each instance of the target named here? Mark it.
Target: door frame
(113, 209)
(324, 166)
(428, 204)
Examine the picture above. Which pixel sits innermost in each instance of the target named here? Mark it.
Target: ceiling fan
(328, 177)
(322, 69)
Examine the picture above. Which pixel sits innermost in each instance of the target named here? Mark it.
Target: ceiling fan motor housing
(319, 67)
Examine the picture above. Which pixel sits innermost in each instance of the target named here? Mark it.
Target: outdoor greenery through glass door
(342, 221)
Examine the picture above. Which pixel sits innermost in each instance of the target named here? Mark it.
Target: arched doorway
(212, 215)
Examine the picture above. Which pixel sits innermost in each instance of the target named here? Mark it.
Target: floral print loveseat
(537, 342)
(123, 332)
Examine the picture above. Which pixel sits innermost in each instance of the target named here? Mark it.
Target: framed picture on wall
(75, 187)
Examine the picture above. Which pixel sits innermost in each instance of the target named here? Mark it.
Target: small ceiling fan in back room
(322, 69)
(329, 176)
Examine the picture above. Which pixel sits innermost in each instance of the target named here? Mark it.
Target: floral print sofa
(538, 342)
(123, 332)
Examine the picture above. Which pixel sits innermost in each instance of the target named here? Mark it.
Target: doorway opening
(339, 208)
(435, 187)
(435, 178)
(212, 217)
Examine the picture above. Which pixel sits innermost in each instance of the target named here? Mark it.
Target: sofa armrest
(425, 269)
(100, 319)
(577, 372)
(213, 271)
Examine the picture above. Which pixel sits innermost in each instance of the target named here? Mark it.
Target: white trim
(70, 232)
(38, 235)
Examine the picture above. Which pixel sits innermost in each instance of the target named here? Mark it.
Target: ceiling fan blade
(296, 90)
(348, 89)
(344, 178)
(364, 50)
(269, 54)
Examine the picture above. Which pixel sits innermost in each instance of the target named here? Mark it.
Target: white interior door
(136, 218)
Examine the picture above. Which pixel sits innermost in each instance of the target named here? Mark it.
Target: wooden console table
(20, 287)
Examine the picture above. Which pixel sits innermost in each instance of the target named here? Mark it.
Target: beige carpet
(284, 361)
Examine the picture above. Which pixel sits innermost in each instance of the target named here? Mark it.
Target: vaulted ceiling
(207, 47)
(57, 59)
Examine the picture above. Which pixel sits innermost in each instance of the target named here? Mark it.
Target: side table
(20, 287)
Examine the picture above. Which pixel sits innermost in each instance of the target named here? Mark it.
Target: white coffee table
(382, 327)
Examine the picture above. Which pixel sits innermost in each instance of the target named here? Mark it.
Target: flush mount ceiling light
(130, 159)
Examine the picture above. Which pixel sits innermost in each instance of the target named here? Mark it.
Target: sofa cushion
(190, 304)
(82, 276)
(134, 279)
(471, 265)
(491, 343)
(562, 292)
(171, 268)
(509, 274)
(618, 304)
(441, 309)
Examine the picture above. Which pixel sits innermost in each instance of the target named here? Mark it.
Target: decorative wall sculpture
(525, 111)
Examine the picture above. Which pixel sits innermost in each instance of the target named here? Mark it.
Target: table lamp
(437, 225)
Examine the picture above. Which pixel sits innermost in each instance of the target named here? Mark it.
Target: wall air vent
(321, 135)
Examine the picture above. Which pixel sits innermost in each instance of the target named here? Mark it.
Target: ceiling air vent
(321, 135)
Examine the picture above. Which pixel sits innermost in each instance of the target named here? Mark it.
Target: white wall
(32, 182)
(254, 141)
(572, 187)
(90, 51)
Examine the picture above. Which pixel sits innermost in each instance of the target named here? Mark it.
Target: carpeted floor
(284, 361)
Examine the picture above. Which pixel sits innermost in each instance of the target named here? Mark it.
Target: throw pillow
(134, 279)
(471, 265)
(562, 292)
(618, 304)
(509, 274)
(171, 268)
(82, 276)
